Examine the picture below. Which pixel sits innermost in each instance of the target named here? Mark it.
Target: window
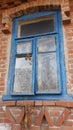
(36, 63)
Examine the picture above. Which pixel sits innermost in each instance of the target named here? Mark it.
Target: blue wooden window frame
(62, 94)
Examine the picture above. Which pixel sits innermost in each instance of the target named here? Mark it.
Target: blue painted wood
(58, 66)
(62, 94)
(62, 55)
(39, 97)
(12, 60)
(35, 15)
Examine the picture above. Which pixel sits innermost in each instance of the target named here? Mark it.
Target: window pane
(24, 47)
(36, 26)
(23, 75)
(46, 44)
(47, 73)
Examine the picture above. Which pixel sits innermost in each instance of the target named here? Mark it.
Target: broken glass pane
(24, 47)
(47, 73)
(23, 76)
(46, 44)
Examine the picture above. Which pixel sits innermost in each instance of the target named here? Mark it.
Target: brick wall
(69, 45)
(36, 115)
(4, 56)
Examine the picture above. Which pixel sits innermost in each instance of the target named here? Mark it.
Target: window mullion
(34, 66)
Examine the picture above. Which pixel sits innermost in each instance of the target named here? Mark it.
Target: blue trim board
(39, 97)
(62, 94)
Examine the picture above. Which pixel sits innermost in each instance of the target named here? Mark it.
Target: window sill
(38, 97)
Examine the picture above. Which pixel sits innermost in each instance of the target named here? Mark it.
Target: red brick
(70, 61)
(2, 88)
(9, 103)
(15, 111)
(72, 81)
(24, 103)
(71, 8)
(39, 118)
(2, 70)
(16, 127)
(2, 83)
(1, 120)
(54, 129)
(70, 70)
(54, 113)
(3, 75)
(70, 51)
(68, 123)
(72, 66)
(71, 116)
(62, 117)
(35, 128)
(9, 116)
(50, 123)
(1, 114)
(6, 30)
(48, 103)
(1, 103)
(19, 119)
(64, 103)
(6, 121)
(1, 108)
(67, 128)
(38, 103)
(44, 127)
